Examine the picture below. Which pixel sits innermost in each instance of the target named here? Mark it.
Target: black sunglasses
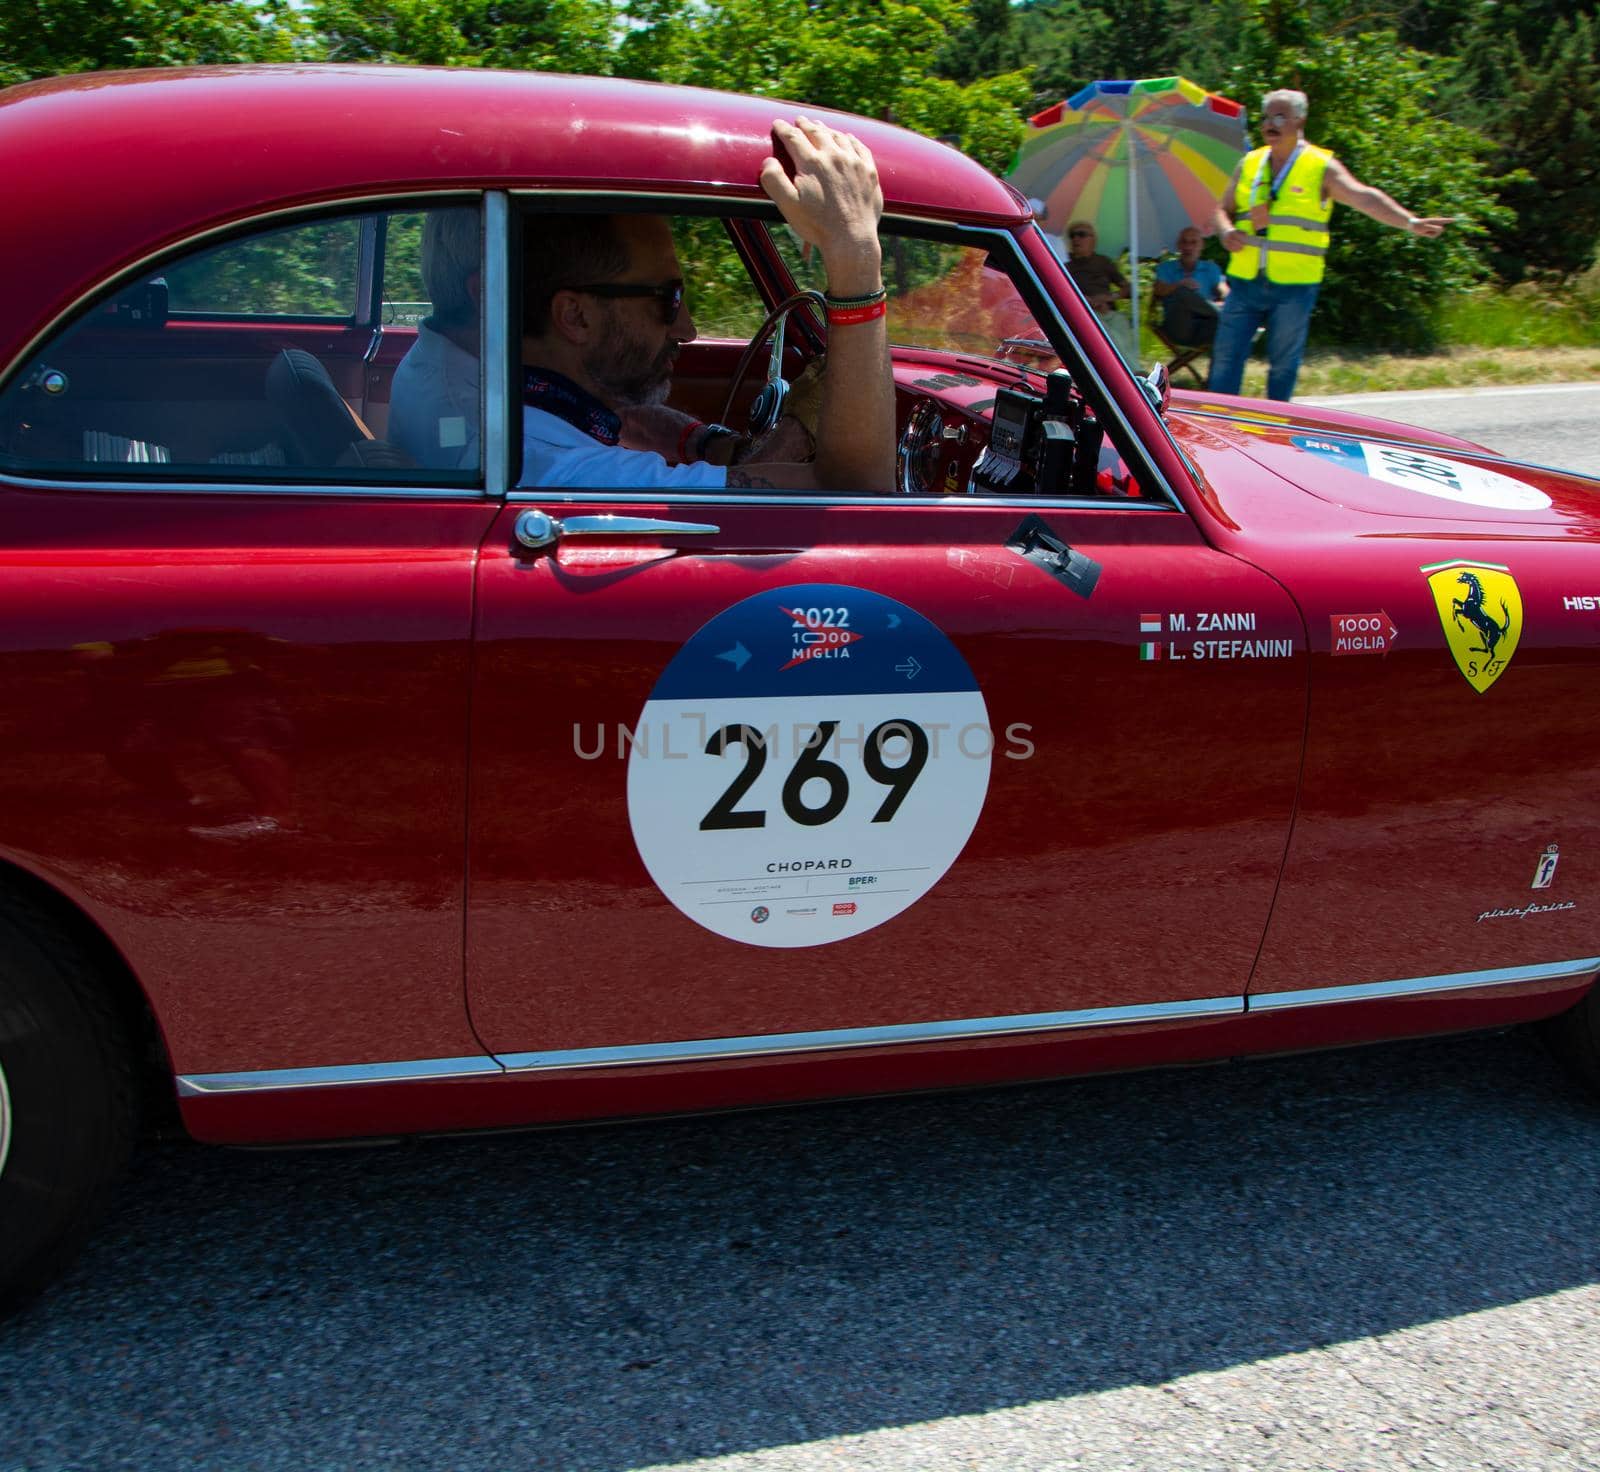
(1079, 234)
(669, 294)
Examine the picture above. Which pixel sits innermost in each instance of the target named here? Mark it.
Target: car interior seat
(320, 428)
(317, 423)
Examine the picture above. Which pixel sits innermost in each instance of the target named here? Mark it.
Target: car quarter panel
(202, 748)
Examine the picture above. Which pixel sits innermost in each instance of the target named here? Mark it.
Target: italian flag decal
(1149, 651)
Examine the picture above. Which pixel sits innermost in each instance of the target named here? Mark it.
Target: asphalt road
(1547, 423)
(1385, 1258)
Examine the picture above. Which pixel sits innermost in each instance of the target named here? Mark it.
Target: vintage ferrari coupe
(351, 788)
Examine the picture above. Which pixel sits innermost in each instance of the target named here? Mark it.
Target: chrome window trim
(1147, 472)
(417, 200)
(494, 362)
(244, 488)
(110, 285)
(570, 497)
(1421, 986)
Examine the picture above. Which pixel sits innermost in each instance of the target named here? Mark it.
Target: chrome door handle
(537, 530)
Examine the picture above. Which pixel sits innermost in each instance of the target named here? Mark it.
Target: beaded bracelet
(850, 311)
(872, 298)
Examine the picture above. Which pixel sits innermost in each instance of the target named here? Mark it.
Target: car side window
(336, 349)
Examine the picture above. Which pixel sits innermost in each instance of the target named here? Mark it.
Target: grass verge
(1462, 367)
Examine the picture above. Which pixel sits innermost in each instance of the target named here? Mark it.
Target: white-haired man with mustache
(1273, 218)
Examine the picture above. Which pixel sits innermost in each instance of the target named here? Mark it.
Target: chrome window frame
(1162, 498)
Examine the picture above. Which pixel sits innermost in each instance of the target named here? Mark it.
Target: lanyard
(1279, 177)
(559, 395)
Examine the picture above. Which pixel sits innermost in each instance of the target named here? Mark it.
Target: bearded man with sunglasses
(605, 317)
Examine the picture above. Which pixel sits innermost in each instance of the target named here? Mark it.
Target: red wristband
(683, 439)
(851, 316)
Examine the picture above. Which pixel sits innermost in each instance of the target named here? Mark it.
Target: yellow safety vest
(1296, 242)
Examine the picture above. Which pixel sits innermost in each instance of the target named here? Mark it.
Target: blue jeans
(1286, 310)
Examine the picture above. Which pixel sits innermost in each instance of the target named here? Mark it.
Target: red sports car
(357, 784)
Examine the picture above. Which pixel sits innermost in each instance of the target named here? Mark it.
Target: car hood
(1378, 468)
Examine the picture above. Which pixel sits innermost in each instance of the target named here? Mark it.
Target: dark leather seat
(318, 425)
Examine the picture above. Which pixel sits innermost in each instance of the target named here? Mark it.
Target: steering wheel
(768, 403)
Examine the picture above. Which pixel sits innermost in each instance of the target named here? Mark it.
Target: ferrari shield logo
(1481, 611)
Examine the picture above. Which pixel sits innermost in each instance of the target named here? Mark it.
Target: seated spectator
(1099, 279)
(1191, 291)
(433, 405)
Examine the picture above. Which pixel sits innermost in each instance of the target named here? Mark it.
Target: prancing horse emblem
(1480, 610)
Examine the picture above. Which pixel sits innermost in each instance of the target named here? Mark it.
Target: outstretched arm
(1340, 184)
(833, 202)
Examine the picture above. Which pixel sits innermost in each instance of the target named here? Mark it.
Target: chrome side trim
(698, 1050)
(268, 1080)
(956, 1030)
(705, 1050)
(1419, 986)
(494, 365)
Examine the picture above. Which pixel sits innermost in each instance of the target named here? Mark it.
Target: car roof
(108, 167)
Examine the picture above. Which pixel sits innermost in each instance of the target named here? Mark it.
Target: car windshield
(947, 298)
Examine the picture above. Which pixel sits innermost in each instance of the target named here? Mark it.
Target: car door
(237, 677)
(760, 772)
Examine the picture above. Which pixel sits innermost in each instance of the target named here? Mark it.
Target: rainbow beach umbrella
(1139, 159)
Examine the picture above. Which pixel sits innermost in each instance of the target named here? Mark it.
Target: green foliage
(530, 35)
(864, 56)
(1544, 117)
(43, 38)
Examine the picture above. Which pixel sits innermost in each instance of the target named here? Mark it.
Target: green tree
(530, 35)
(866, 56)
(42, 38)
(987, 45)
(1544, 118)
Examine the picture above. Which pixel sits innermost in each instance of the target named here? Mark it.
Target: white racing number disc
(1431, 475)
(809, 765)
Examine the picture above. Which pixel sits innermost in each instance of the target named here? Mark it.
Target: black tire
(1574, 1037)
(68, 1080)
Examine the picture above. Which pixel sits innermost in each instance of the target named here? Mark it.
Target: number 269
(811, 764)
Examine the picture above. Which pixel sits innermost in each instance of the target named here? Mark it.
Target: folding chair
(1183, 357)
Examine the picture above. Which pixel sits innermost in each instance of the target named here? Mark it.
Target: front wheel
(67, 1101)
(1574, 1037)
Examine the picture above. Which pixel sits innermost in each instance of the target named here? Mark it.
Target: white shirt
(555, 453)
(433, 403)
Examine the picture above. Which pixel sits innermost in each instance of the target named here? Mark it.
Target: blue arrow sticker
(814, 639)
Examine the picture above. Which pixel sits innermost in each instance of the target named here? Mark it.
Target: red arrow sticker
(1362, 633)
